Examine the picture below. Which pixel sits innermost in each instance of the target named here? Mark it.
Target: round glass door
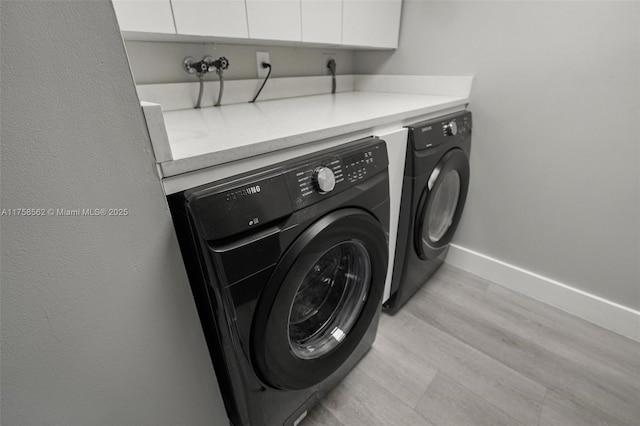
(329, 300)
(321, 300)
(441, 204)
(445, 202)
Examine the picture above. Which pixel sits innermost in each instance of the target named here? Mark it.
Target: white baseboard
(610, 315)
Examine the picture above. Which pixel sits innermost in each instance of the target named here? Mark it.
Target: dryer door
(441, 204)
(320, 300)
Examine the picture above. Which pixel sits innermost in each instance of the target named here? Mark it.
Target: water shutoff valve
(206, 65)
(221, 63)
(201, 67)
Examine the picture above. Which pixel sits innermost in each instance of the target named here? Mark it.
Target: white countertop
(204, 137)
(291, 112)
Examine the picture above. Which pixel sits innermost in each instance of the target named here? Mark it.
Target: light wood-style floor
(465, 351)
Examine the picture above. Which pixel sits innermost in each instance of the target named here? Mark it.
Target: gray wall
(161, 62)
(98, 321)
(555, 161)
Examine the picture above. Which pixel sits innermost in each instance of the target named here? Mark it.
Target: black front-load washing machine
(434, 190)
(287, 265)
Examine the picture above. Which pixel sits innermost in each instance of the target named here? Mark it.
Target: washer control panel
(324, 179)
(321, 177)
(240, 203)
(358, 165)
(317, 179)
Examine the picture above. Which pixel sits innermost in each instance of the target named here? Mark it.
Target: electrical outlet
(260, 58)
(326, 57)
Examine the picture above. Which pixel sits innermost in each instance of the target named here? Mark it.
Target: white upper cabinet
(371, 23)
(321, 21)
(220, 18)
(274, 19)
(148, 16)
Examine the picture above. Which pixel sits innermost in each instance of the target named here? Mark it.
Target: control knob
(451, 128)
(324, 179)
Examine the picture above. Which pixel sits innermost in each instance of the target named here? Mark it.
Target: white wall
(161, 62)
(98, 322)
(555, 158)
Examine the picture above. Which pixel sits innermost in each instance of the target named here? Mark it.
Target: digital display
(357, 165)
(354, 160)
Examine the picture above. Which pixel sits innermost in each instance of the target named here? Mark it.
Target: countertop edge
(190, 164)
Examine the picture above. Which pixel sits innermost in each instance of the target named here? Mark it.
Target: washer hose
(201, 78)
(219, 72)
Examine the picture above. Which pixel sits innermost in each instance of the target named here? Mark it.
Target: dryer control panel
(432, 133)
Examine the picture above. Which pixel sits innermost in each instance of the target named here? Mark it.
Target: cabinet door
(371, 23)
(220, 18)
(322, 21)
(149, 16)
(274, 19)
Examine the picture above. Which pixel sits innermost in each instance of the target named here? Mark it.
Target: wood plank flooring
(465, 351)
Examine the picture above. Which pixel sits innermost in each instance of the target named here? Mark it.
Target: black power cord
(332, 68)
(264, 65)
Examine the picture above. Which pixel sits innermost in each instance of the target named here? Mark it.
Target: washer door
(320, 300)
(441, 204)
